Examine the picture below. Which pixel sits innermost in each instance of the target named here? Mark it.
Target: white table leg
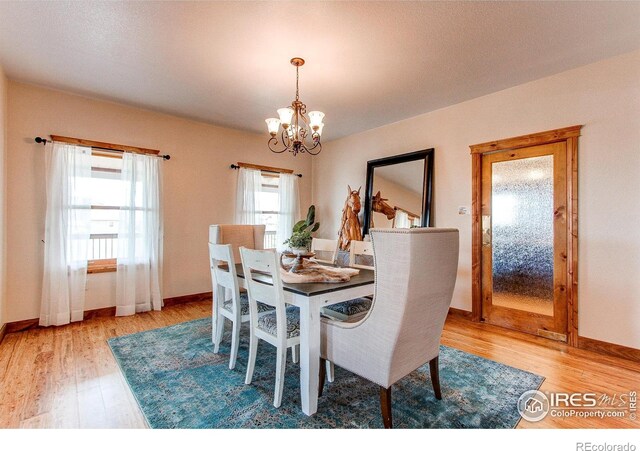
(309, 354)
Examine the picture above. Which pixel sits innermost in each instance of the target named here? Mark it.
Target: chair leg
(214, 327)
(218, 332)
(385, 407)
(295, 353)
(321, 378)
(330, 371)
(435, 377)
(281, 362)
(253, 352)
(235, 342)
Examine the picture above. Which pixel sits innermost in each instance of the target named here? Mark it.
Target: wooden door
(524, 239)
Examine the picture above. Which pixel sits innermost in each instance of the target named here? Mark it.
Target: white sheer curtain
(402, 220)
(248, 197)
(139, 276)
(289, 208)
(66, 238)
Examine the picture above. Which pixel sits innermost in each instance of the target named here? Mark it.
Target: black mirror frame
(427, 190)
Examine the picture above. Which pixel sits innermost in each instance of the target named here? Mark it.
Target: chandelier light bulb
(315, 119)
(273, 125)
(286, 114)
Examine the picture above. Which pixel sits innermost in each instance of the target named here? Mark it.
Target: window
(101, 207)
(269, 204)
(270, 197)
(107, 192)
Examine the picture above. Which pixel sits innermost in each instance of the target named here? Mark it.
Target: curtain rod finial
(41, 140)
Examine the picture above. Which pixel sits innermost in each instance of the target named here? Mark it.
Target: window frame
(103, 265)
(277, 213)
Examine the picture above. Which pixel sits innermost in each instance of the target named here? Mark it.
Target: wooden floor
(66, 377)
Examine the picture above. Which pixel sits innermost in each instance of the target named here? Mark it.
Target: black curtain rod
(235, 166)
(44, 141)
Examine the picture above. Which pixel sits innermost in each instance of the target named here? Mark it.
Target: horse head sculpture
(353, 199)
(380, 205)
(350, 228)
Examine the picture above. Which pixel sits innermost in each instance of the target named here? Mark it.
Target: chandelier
(299, 133)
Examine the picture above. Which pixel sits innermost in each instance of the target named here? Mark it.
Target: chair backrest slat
(223, 273)
(360, 248)
(328, 247)
(265, 263)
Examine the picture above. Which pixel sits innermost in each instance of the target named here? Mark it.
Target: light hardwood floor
(66, 377)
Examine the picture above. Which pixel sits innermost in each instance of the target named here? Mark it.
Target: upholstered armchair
(415, 275)
(237, 235)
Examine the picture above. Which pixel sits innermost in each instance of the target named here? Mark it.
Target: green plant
(302, 230)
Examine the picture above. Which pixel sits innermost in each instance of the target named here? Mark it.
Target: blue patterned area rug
(180, 383)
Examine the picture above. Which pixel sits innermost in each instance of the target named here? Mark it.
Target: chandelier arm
(274, 142)
(317, 145)
(286, 141)
(304, 131)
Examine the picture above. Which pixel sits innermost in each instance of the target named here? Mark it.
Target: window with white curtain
(103, 214)
(106, 190)
(271, 199)
(269, 204)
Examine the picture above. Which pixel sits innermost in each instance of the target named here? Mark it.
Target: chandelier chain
(297, 80)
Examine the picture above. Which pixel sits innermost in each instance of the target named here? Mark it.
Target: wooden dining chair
(281, 327)
(358, 251)
(324, 249)
(224, 280)
(416, 272)
(353, 309)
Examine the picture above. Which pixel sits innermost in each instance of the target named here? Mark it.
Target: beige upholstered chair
(415, 275)
(250, 236)
(280, 327)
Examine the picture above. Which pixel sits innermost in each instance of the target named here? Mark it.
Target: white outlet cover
(463, 210)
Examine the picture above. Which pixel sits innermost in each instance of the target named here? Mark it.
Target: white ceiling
(368, 63)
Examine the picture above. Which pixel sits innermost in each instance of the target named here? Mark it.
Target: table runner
(314, 272)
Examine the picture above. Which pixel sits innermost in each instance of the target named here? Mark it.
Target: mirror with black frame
(399, 191)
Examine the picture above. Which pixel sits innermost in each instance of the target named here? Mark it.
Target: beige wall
(3, 144)
(199, 187)
(605, 98)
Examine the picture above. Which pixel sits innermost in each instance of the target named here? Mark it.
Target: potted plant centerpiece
(300, 240)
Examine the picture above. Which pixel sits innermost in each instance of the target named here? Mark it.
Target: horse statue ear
(378, 194)
(349, 188)
(359, 190)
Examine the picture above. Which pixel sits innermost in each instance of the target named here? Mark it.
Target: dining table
(310, 298)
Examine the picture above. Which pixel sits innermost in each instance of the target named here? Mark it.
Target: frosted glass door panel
(522, 234)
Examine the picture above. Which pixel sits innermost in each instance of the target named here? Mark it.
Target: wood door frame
(569, 135)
